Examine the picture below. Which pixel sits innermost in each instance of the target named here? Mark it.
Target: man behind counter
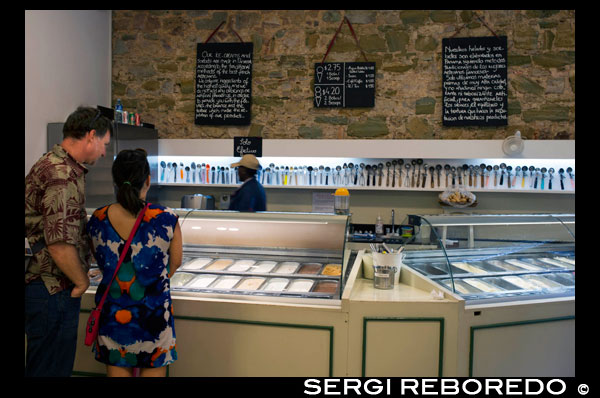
(251, 195)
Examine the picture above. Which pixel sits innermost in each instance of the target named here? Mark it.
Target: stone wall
(154, 70)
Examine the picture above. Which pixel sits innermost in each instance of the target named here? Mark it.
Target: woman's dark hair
(129, 171)
(85, 119)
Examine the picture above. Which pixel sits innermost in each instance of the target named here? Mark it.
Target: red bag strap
(123, 253)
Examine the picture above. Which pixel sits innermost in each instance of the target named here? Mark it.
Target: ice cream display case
(262, 256)
(497, 258)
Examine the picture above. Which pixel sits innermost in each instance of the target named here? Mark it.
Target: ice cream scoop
(163, 165)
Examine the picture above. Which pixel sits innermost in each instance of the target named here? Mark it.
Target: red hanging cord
(219, 27)
(338, 31)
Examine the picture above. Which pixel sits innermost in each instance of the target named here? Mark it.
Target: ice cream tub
(326, 287)
(501, 283)
(504, 265)
(543, 282)
(287, 267)
(300, 285)
(429, 269)
(470, 268)
(520, 282)
(276, 284)
(241, 265)
(553, 262)
(332, 270)
(565, 279)
(523, 265)
(460, 286)
(219, 264)
(196, 263)
(226, 282)
(263, 267)
(488, 267)
(310, 268)
(483, 285)
(201, 281)
(568, 260)
(181, 278)
(250, 283)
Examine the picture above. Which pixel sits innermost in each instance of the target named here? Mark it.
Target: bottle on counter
(379, 226)
(119, 111)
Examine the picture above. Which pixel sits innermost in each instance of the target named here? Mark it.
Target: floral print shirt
(55, 212)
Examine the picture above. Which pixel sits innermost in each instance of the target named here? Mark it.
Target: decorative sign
(474, 81)
(344, 85)
(223, 83)
(244, 145)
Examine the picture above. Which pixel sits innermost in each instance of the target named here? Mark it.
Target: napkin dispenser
(198, 201)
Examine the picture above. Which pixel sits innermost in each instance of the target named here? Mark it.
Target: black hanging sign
(344, 85)
(474, 81)
(223, 83)
(244, 145)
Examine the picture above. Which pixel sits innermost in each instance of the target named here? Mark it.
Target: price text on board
(474, 81)
(344, 85)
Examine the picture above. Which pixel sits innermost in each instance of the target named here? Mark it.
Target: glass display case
(495, 258)
(297, 255)
(264, 254)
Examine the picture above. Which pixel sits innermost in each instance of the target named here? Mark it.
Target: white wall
(67, 64)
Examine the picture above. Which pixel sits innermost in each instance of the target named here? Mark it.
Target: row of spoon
(395, 173)
(200, 173)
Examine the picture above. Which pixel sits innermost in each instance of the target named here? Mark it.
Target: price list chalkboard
(474, 81)
(344, 85)
(223, 83)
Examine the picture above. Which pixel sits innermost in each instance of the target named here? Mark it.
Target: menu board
(344, 85)
(223, 83)
(474, 81)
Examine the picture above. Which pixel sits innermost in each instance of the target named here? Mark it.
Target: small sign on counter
(247, 145)
(322, 202)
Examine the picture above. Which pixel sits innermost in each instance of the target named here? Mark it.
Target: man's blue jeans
(51, 327)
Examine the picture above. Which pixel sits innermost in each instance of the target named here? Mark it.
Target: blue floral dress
(136, 323)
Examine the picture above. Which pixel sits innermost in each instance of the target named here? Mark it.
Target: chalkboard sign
(474, 81)
(223, 83)
(244, 145)
(344, 85)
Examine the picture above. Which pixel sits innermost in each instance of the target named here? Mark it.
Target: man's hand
(67, 259)
(78, 290)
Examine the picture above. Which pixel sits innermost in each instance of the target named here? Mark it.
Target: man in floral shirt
(55, 219)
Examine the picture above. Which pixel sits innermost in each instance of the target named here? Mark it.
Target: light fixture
(513, 145)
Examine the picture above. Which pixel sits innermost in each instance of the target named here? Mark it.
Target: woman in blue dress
(136, 325)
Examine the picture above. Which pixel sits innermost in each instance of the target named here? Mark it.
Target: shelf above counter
(194, 155)
(367, 188)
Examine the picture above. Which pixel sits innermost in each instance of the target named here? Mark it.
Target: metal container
(198, 201)
(383, 277)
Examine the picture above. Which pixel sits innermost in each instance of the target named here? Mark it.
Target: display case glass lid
(514, 231)
(497, 257)
(316, 231)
